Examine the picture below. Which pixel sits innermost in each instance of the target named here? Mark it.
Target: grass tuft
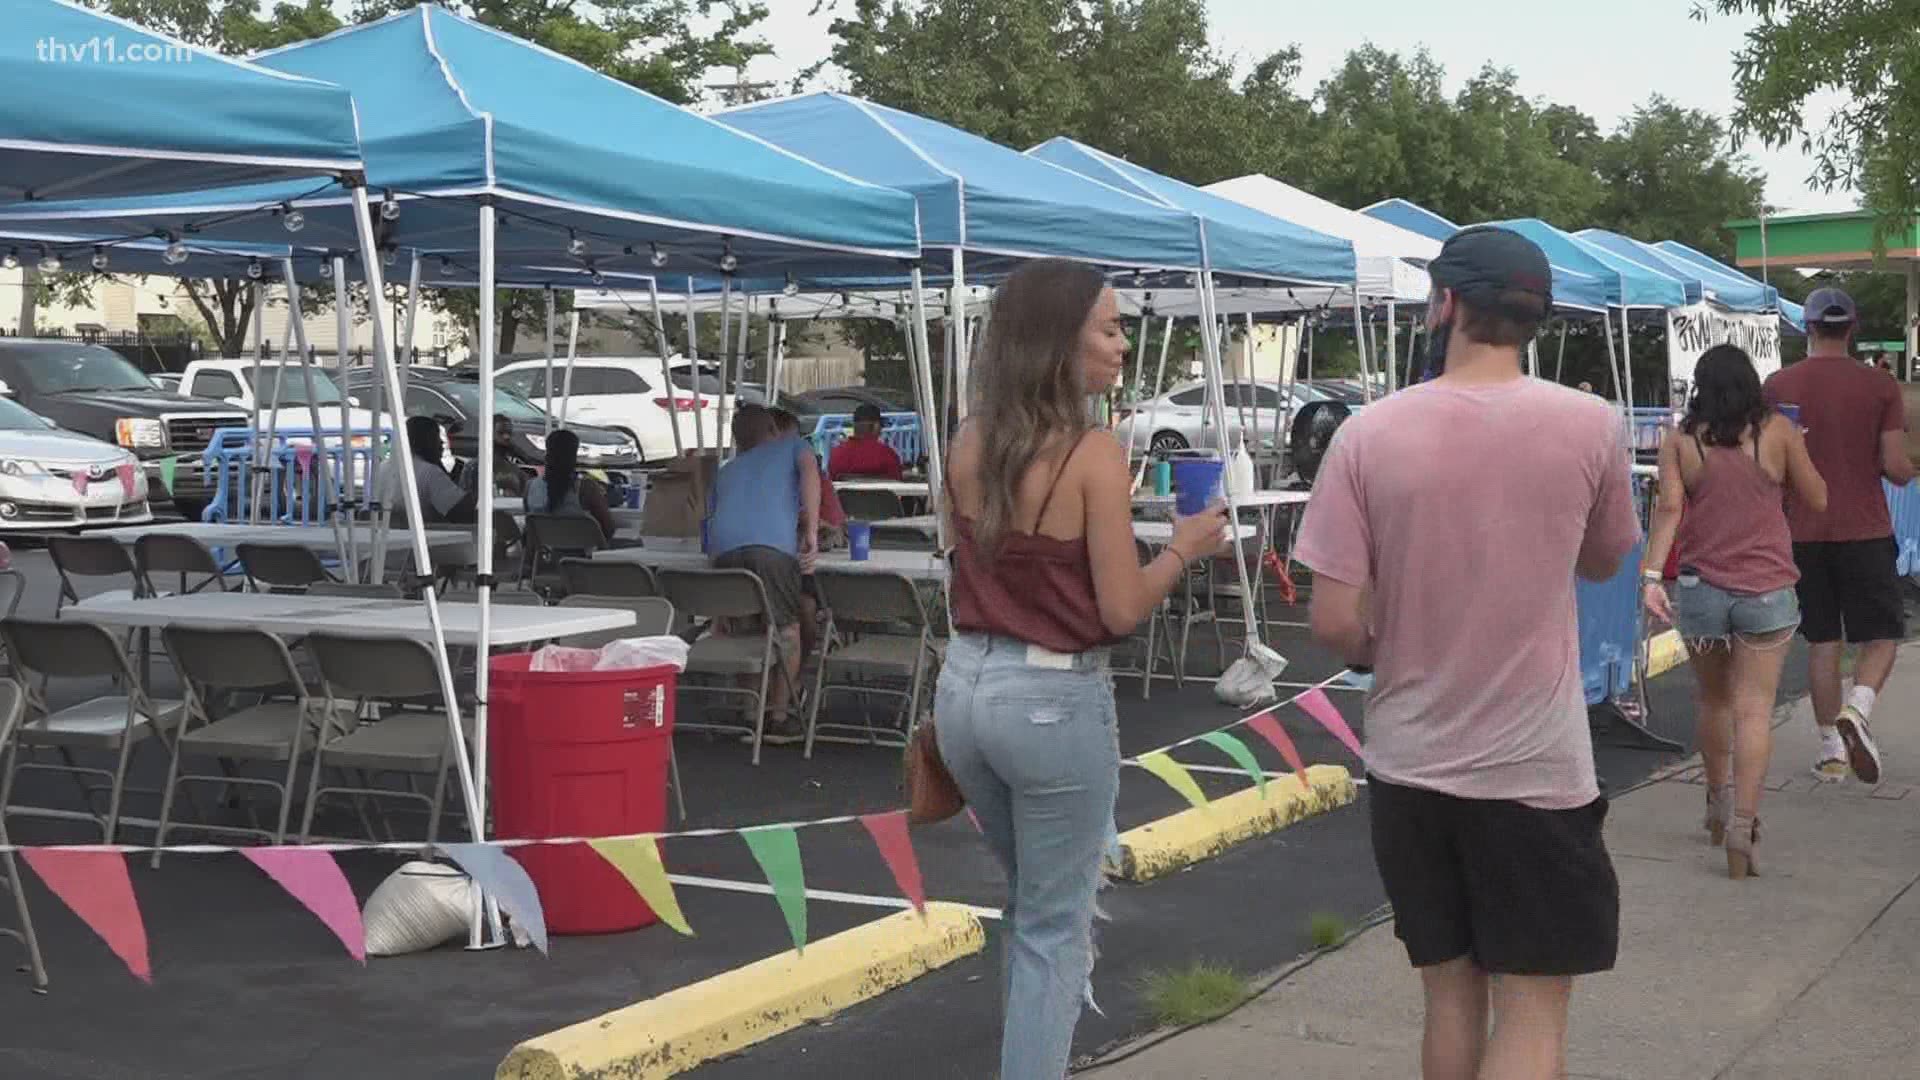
(1193, 995)
(1326, 930)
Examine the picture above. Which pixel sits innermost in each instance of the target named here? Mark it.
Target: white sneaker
(1862, 754)
(1831, 766)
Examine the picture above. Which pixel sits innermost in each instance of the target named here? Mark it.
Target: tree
(1866, 50)
(1669, 174)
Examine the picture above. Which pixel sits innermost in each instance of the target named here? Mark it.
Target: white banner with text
(1694, 329)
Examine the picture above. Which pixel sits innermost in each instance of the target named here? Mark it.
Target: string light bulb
(791, 288)
(389, 256)
(49, 262)
(576, 247)
(659, 258)
(254, 270)
(596, 277)
(12, 260)
(326, 269)
(389, 208)
(293, 220)
(728, 264)
(99, 260)
(176, 252)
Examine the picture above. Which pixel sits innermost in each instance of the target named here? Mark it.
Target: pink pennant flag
(1267, 726)
(79, 482)
(1315, 704)
(971, 816)
(95, 885)
(314, 879)
(889, 832)
(303, 457)
(125, 469)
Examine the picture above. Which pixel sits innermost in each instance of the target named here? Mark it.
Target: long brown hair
(1027, 391)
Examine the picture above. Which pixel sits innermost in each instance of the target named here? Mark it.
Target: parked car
(1178, 420)
(839, 400)
(92, 390)
(452, 397)
(624, 393)
(54, 479)
(281, 392)
(166, 380)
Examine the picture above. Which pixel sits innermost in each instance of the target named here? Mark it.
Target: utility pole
(740, 91)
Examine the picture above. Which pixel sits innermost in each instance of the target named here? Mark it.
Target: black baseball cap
(1485, 261)
(867, 412)
(1831, 307)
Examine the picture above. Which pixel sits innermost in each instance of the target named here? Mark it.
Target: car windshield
(708, 378)
(17, 417)
(512, 405)
(66, 370)
(287, 385)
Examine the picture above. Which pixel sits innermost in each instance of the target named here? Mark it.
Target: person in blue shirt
(763, 515)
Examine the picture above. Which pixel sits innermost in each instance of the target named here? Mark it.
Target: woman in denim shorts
(1726, 465)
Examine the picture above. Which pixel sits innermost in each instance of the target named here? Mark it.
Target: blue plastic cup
(1196, 483)
(859, 540)
(634, 491)
(1790, 411)
(1162, 478)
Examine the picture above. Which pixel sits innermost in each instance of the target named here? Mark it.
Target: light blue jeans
(1031, 738)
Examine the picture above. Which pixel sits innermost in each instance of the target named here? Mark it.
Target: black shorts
(1522, 891)
(778, 571)
(1850, 588)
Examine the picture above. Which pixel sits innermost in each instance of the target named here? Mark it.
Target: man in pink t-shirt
(1446, 526)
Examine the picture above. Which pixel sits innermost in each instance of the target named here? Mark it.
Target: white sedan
(56, 479)
(625, 393)
(1178, 419)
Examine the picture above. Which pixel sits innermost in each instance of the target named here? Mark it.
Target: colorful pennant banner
(1267, 726)
(1315, 704)
(125, 471)
(167, 467)
(96, 887)
(1242, 756)
(314, 879)
(890, 834)
(502, 877)
(777, 849)
(638, 860)
(1176, 776)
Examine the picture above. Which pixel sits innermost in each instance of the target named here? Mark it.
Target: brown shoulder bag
(932, 796)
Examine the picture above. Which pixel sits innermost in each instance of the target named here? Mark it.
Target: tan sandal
(1719, 809)
(1742, 837)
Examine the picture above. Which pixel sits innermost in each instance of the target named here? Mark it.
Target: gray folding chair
(168, 553)
(653, 617)
(730, 595)
(361, 672)
(74, 649)
(884, 624)
(13, 588)
(215, 665)
(78, 557)
(553, 537)
(1151, 636)
(366, 590)
(509, 547)
(606, 577)
(281, 567)
(13, 707)
(863, 505)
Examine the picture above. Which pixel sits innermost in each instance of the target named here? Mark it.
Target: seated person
(862, 454)
(442, 498)
(763, 515)
(509, 468)
(562, 490)
(832, 534)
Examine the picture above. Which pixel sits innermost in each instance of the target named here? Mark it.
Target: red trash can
(579, 754)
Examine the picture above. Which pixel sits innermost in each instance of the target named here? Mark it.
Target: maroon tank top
(1038, 589)
(1734, 533)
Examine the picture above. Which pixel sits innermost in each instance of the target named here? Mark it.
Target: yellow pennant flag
(1177, 777)
(638, 860)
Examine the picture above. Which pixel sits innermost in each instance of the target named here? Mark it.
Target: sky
(1603, 60)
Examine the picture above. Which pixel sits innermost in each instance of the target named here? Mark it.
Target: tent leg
(930, 424)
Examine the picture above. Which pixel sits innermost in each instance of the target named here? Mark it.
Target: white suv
(624, 393)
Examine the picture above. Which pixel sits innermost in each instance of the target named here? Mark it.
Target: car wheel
(1168, 442)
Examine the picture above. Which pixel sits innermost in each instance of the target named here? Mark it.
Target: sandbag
(420, 906)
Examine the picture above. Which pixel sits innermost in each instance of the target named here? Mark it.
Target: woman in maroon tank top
(1728, 464)
(1044, 576)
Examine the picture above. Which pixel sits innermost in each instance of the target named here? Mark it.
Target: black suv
(96, 391)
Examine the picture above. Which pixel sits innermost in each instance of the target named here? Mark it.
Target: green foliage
(1326, 930)
(1867, 51)
(1195, 994)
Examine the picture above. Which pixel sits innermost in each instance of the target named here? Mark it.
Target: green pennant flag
(1237, 750)
(777, 850)
(167, 465)
(1177, 778)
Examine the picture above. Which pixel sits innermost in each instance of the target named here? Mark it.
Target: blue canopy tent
(120, 110)
(1728, 278)
(1574, 288)
(1412, 217)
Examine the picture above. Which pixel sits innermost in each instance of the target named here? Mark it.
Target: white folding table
(624, 517)
(451, 545)
(906, 489)
(296, 616)
(683, 553)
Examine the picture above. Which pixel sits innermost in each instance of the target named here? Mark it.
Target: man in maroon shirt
(863, 454)
(1855, 424)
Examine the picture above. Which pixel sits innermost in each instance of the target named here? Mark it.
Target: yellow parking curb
(1665, 652)
(723, 1015)
(1172, 843)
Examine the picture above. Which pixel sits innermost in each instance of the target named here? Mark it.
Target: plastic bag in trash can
(564, 658)
(643, 652)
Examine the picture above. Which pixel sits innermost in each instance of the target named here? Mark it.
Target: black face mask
(1433, 352)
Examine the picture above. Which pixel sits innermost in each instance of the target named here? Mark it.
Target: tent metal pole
(483, 489)
(1153, 411)
(693, 361)
(720, 440)
(930, 424)
(1360, 342)
(323, 489)
(342, 331)
(962, 345)
(410, 495)
(1216, 386)
(548, 422)
(666, 374)
(1393, 347)
(385, 459)
(1560, 361)
(566, 381)
(257, 459)
(1145, 338)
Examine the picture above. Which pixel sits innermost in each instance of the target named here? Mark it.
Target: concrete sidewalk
(1811, 969)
